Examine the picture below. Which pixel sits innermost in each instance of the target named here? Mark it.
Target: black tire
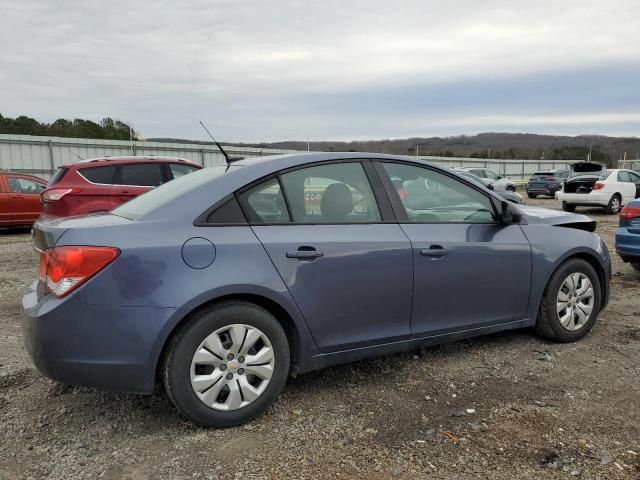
(531, 195)
(177, 362)
(568, 207)
(636, 265)
(612, 209)
(548, 324)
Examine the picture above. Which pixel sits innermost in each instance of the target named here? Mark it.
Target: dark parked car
(101, 184)
(20, 199)
(223, 283)
(546, 183)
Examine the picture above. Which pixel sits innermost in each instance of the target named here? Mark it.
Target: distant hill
(483, 145)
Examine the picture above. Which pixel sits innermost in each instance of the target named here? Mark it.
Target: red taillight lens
(55, 194)
(598, 186)
(63, 269)
(629, 212)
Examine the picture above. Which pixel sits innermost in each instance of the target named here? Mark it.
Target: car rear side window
(334, 193)
(624, 177)
(103, 175)
(141, 174)
(229, 213)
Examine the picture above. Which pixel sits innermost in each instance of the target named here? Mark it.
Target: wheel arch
(279, 312)
(592, 259)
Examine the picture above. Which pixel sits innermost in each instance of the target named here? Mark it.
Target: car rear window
(102, 175)
(61, 172)
(158, 198)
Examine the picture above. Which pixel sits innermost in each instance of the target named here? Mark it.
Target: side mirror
(490, 186)
(508, 214)
(499, 177)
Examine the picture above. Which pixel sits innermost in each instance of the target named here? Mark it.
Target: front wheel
(568, 207)
(571, 302)
(636, 265)
(227, 364)
(531, 195)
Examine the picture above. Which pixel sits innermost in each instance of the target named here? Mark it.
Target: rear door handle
(435, 251)
(304, 253)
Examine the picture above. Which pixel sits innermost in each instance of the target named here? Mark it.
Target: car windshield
(162, 195)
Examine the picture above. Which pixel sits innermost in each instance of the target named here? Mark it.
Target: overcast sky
(274, 70)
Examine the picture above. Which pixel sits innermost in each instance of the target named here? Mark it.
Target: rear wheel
(570, 303)
(614, 204)
(636, 265)
(531, 195)
(567, 207)
(227, 364)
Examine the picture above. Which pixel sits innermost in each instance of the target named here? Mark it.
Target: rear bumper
(111, 348)
(540, 190)
(628, 245)
(593, 198)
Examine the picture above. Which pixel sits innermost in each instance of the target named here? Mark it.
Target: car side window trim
(398, 207)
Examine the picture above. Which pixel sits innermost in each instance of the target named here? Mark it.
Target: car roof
(127, 159)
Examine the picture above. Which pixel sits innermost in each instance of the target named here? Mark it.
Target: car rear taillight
(63, 269)
(598, 186)
(55, 194)
(629, 212)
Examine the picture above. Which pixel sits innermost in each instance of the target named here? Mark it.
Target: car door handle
(302, 253)
(435, 251)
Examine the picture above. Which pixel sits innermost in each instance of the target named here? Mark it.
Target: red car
(99, 185)
(20, 198)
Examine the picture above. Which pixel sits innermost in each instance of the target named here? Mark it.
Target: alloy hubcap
(615, 204)
(574, 302)
(232, 367)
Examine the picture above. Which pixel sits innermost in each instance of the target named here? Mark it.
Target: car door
(134, 179)
(24, 199)
(626, 186)
(469, 269)
(5, 205)
(337, 247)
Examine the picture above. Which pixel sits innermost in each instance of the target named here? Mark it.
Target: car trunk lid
(583, 177)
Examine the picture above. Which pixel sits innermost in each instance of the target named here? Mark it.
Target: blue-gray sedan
(220, 284)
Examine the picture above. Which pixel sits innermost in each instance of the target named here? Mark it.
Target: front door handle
(304, 253)
(435, 251)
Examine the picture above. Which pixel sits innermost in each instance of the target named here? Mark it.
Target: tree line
(106, 129)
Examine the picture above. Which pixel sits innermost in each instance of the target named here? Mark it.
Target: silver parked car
(488, 175)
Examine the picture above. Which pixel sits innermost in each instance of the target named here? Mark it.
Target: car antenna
(228, 158)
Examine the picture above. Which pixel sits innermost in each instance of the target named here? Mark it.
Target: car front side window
(429, 196)
(491, 174)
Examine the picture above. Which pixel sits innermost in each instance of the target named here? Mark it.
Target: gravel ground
(503, 406)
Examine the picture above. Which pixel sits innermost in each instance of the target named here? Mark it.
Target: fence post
(522, 170)
(202, 156)
(53, 167)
